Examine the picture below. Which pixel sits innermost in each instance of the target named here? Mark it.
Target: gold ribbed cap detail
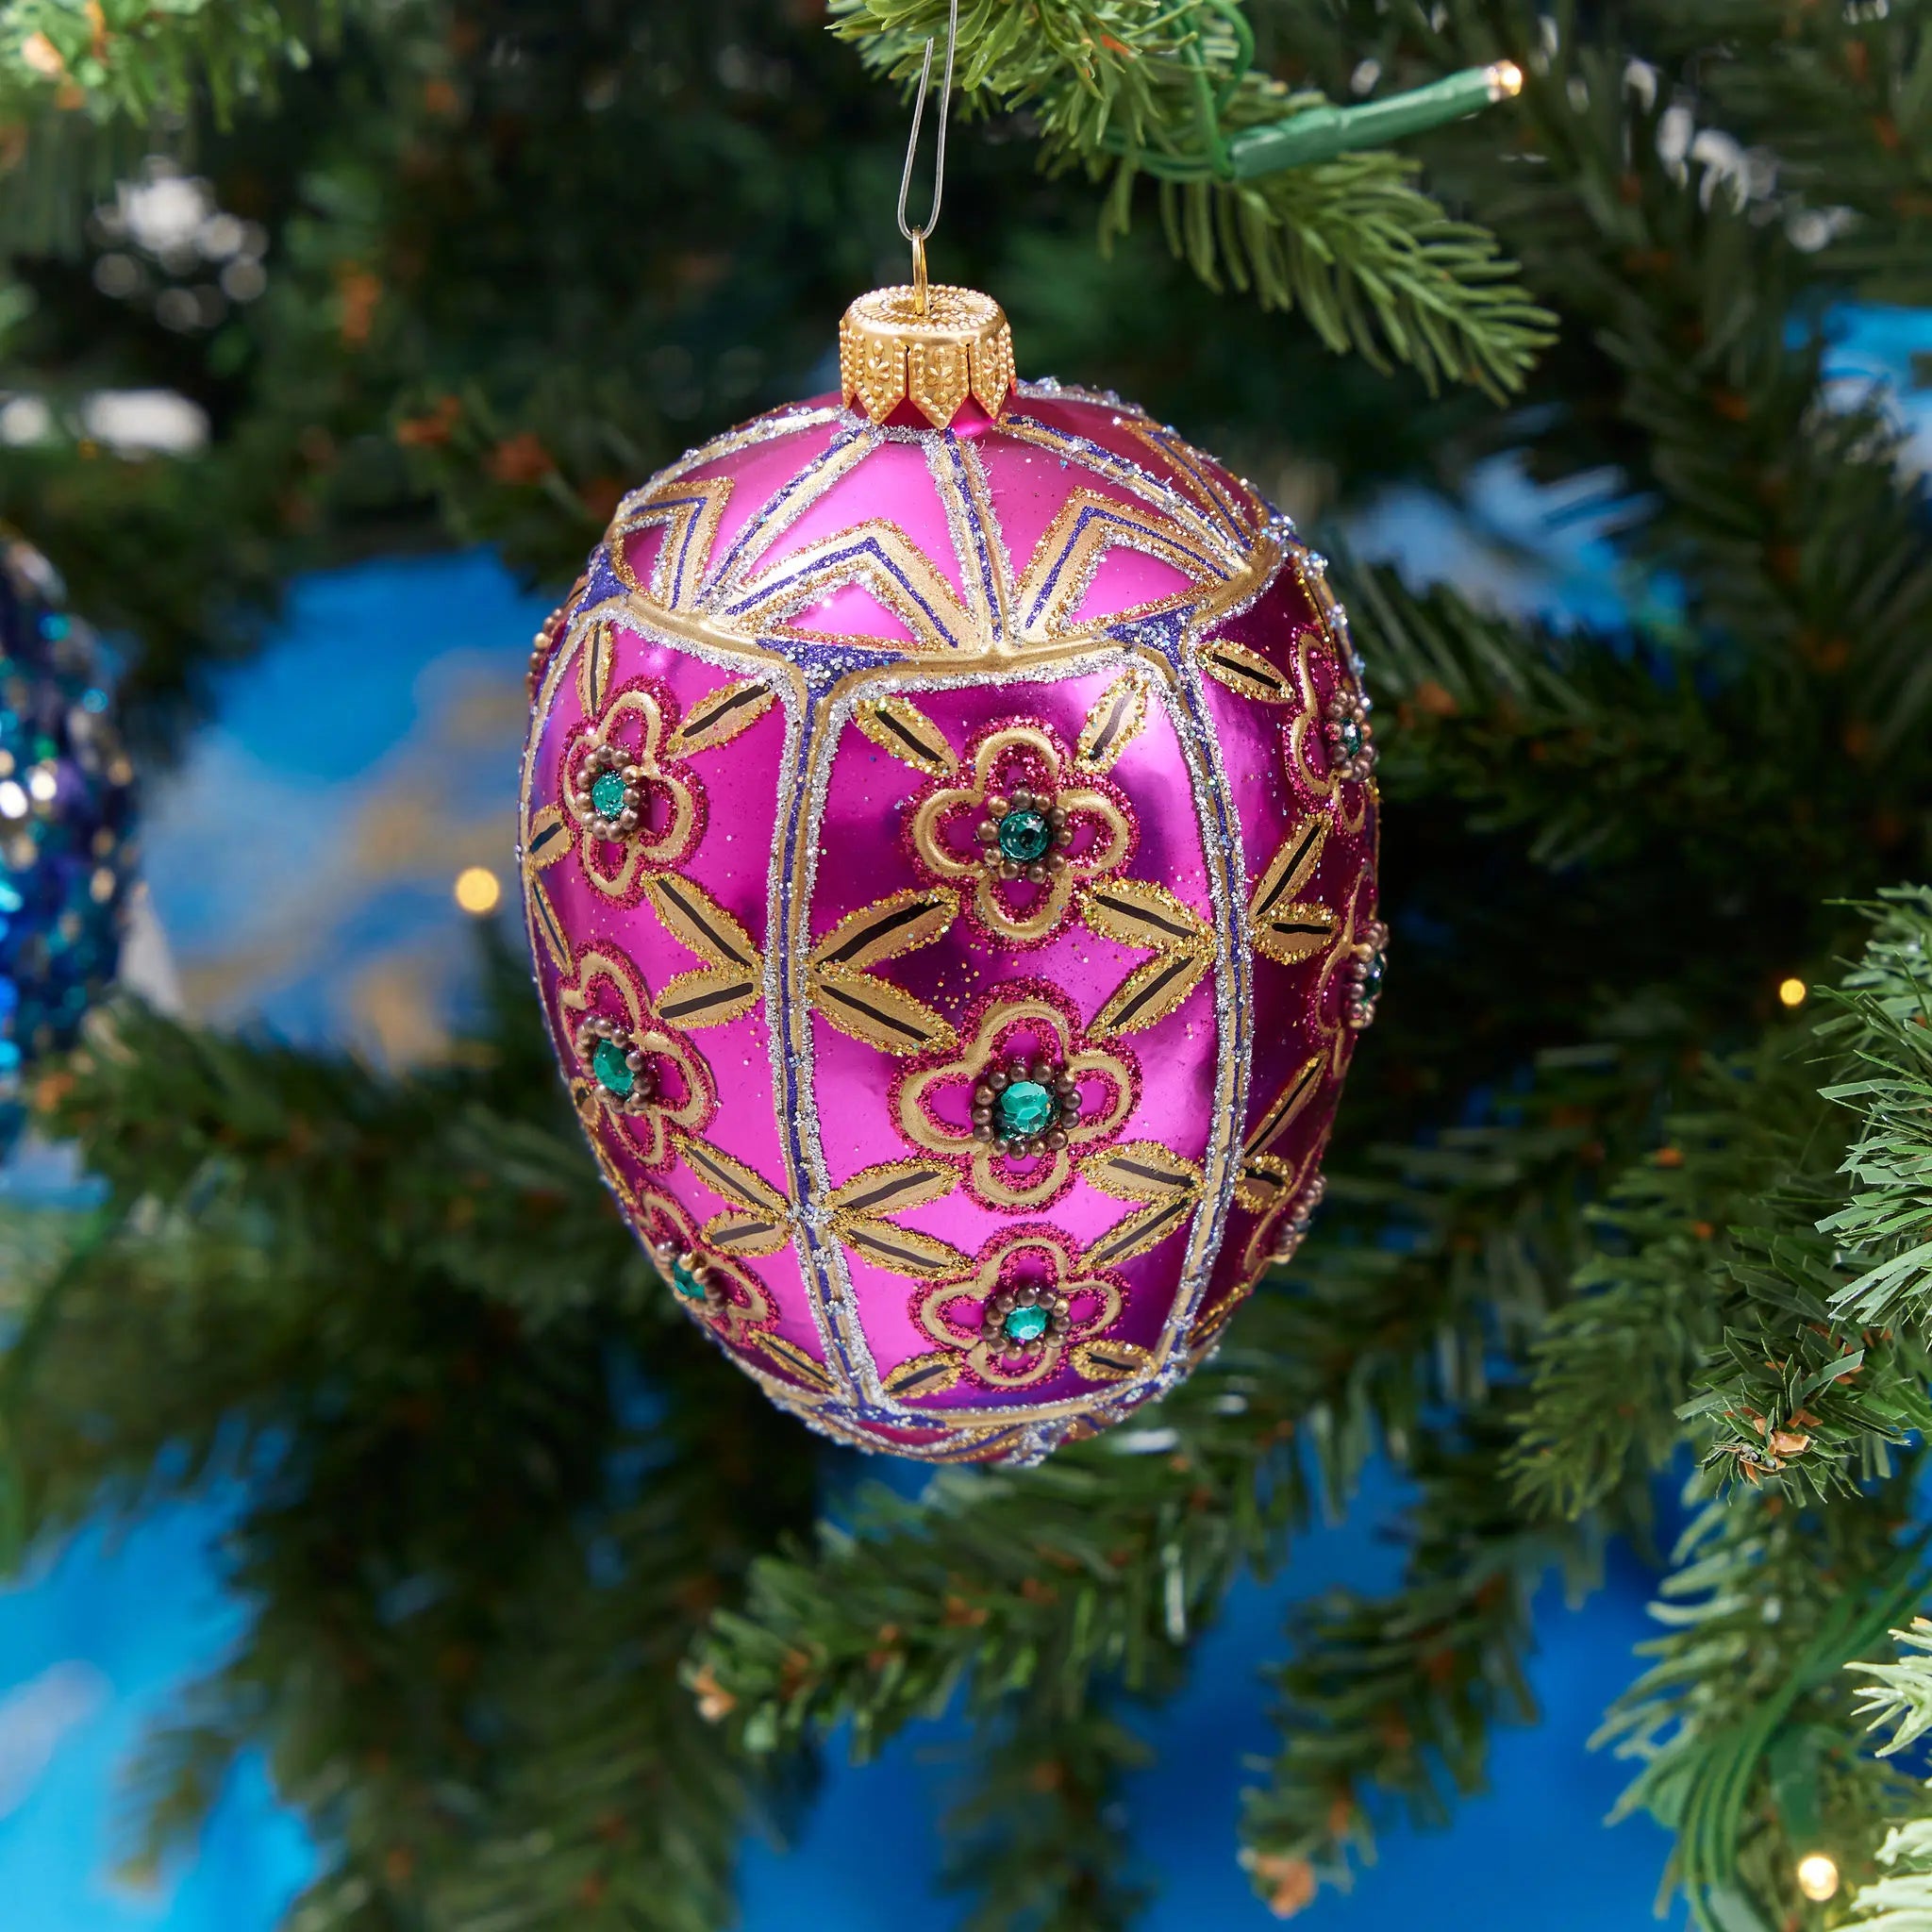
(891, 352)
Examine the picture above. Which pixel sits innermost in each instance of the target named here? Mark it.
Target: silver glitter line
(778, 952)
(789, 1022)
(766, 428)
(1191, 462)
(989, 541)
(831, 1267)
(777, 514)
(1125, 535)
(977, 587)
(1050, 388)
(1141, 483)
(1233, 997)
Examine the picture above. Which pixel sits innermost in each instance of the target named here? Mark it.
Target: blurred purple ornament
(66, 818)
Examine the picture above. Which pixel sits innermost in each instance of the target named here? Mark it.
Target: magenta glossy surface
(839, 667)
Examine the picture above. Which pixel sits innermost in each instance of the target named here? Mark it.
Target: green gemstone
(612, 1070)
(1024, 1110)
(1372, 977)
(1025, 837)
(606, 795)
(1350, 737)
(686, 1283)
(1026, 1324)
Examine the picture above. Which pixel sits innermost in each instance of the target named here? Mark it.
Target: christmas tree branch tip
(1311, 134)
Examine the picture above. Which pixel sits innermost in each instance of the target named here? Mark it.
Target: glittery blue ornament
(66, 817)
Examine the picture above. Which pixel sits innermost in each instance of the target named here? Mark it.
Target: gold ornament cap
(929, 345)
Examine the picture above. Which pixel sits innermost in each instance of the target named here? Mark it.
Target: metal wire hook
(917, 237)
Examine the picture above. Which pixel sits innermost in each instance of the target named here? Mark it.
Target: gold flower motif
(1030, 1299)
(636, 811)
(706, 1281)
(634, 1075)
(1028, 827)
(1022, 1096)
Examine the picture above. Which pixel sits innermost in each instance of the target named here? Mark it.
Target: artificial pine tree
(1601, 1209)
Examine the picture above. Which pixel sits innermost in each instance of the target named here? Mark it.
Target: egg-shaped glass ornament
(948, 839)
(66, 824)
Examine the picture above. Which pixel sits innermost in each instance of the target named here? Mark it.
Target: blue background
(393, 684)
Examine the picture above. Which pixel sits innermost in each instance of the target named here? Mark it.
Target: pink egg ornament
(948, 839)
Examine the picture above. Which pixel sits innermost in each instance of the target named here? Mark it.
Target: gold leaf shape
(887, 927)
(1246, 672)
(1282, 1111)
(594, 668)
(747, 1231)
(793, 1360)
(550, 838)
(1109, 1362)
(899, 726)
(869, 1009)
(1145, 1228)
(1114, 721)
(1141, 1171)
(709, 996)
(1151, 991)
(925, 1375)
(1295, 932)
(697, 921)
(1291, 868)
(718, 718)
(1263, 1180)
(900, 1250)
(549, 927)
(1139, 914)
(724, 1175)
(1285, 928)
(896, 1184)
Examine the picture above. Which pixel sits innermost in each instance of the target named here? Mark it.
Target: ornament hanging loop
(930, 350)
(918, 272)
(918, 236)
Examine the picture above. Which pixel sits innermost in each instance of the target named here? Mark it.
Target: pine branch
(1797, 534)
(1807, 1384)
(1739, 1724)
(1888, 1220)
(127, 57)
(1095, 1568)
(1718, 1271)
(1372, 262)
(1900, 1901)
(1129, 1543)
(1613, 1367)
(1041, 1844)
(1840, 99)
(1898, 1699)
(1595, 750)
(1116, 89)
(477, 1534)
(1394, 1697)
